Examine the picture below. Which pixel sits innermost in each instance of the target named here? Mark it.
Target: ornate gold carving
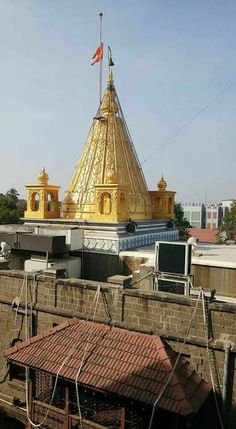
(109, 160)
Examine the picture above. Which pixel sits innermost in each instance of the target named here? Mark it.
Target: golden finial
(161, 185)
(43, 177)
(109, 104)
(110, 79)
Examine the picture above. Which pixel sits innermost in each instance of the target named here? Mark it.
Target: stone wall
(52, 300)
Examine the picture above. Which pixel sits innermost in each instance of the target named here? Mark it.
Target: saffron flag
(98, 56)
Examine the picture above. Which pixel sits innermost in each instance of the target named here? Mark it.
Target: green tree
(181, 223)
(11, 208)
(228, 226)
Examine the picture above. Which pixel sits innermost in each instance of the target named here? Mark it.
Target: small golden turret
(42, 199)
(162, 201)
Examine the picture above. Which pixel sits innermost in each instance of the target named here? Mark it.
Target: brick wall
(53, 300)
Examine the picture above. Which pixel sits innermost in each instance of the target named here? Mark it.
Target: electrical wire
(14, 329)
(96, 299)
(175, 364)
(209, 358)
(37, 425)
(189, 121)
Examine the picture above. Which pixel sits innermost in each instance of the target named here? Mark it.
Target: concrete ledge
(160, 296)
(124, 281)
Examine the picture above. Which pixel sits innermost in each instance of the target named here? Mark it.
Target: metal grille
(97, 409)
(42, 386)
(43, 389)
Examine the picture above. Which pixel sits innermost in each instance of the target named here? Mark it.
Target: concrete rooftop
(215, 255)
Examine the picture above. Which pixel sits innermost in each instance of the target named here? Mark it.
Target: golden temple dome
(43, 177)
(108, 160)
(161, 185)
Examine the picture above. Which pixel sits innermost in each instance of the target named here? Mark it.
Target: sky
(172, 58)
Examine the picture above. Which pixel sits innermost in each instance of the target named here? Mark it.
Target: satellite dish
(5, 249)
(192, 240)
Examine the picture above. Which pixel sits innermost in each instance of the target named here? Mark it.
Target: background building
(226, 205)
(214, 214)
(195, 213)
(207, 216)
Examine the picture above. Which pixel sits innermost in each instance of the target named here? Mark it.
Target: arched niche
(34, 202)
(158, 204)
(122, 203)
(50, 202)
(105, 203)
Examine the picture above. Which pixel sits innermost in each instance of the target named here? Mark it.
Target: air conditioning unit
(172, 286)
(173, 257)
(70, 265)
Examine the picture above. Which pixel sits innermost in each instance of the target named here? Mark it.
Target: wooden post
(66, 409)
(30, 394)
(122, 418)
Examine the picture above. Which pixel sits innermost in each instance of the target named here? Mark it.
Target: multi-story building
(195, 213)
(207, 216)
(214, 214)
(226, 205)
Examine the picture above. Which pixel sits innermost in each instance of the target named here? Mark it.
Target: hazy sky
(172, 57)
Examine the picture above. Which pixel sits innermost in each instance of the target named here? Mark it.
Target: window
(196, 216)
(17, 373)
(50, 202)
(187, 215)
(34, 202)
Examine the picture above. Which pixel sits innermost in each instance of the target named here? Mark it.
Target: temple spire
(109, 102)
(110, 79)
(108, 184)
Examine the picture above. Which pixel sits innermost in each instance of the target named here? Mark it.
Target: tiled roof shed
(115, 361)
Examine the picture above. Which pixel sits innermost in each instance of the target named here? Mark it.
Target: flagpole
(100, 77)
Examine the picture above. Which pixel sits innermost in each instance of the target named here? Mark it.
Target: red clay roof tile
(115, 361)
